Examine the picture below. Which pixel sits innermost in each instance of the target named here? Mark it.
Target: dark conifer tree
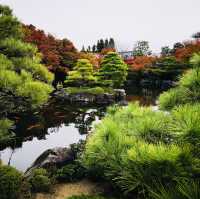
(106, 43)
(111, 43)
(98, 46)
(102, 45)
(94, 48)
(83, 49)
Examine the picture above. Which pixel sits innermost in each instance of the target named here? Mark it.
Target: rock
(91, 99)
(55, 157)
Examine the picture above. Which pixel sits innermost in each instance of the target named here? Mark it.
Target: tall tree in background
(94, 48)
(89, 49)
(111, 43)
(106, 44)
(196, 35)
(98, 46)
(55, 52)
(141, 48)
(101, 45)
(83, 49)
(165, 51)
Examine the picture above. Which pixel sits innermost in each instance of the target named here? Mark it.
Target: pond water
(58, 125)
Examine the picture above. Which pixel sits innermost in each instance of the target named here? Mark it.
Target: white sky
(161, 22)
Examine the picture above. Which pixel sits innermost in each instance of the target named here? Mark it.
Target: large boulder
(56, 157)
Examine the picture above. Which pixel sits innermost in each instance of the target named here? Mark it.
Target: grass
(87, 90)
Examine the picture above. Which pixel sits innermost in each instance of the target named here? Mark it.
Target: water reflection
(58, 125)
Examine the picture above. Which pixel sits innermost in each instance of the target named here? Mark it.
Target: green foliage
(21, 74)
(195, 61)
(36, 92)
(183, 190)
(82, 74)
(16, 48)
(113, 70)
(94, 91)
(5, 126)
(134, 147)
(173, 97)
(9, 25)
(32, 65)
(10, 183)
(71, 172)
(185, 123)
(40, 181)
(188, 90)
(5, 63)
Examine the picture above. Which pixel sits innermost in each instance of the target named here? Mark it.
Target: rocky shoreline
(118, 95)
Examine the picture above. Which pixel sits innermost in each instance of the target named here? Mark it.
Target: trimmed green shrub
(82, 74)
(113, 70)
(10, 183)
(71, 172)
(40, 182)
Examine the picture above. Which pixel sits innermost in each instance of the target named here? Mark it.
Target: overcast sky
(161, 22)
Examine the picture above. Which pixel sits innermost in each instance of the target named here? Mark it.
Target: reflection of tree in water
(144, 96)
(50, 119)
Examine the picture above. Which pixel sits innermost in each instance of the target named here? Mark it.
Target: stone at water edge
(55, 157)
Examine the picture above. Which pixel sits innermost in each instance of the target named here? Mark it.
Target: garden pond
(58, 125)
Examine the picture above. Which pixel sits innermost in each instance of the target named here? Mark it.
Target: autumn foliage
(55, 52)
(140, 62)
(185, 53)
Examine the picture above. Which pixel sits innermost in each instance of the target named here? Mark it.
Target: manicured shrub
(82, 74)
(70, 172)
(10, 183)
(113, 70)
(40, 182)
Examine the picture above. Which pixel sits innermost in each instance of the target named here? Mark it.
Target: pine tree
(101, 44)
(112, 43)
(83, 49)
(113, 70)
(89, 49)
(94, 48)
(98, 46)
(82, 75)
(21, 73)
(106, 43)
